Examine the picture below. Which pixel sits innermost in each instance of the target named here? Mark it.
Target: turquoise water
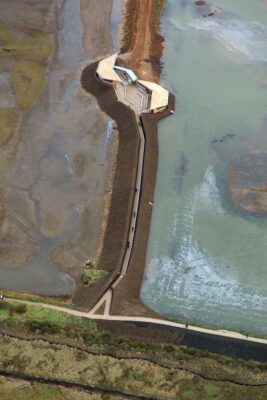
(207, 257)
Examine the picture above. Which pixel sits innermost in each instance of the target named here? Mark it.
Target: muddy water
(61, 170)
(116, 17)
(207, 255)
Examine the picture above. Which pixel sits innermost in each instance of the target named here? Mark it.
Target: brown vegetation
(142, 45)
(126, 298)
(77, 353)
(11, 389)
(115, 238)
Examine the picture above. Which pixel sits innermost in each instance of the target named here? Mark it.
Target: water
(207, 256)
(115, 19)
(56, 186)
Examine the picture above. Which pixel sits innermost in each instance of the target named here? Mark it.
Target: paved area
(133, 97)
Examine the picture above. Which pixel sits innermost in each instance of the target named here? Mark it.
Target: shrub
(20, 308)
(43, 327)
(3, 305)
(90, 273)
(16, 308)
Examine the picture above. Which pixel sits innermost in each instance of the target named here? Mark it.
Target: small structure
(105, 70)
(158, 96)
(127, 73)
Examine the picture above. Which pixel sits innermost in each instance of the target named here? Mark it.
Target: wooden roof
(105, 69)
(159, 95)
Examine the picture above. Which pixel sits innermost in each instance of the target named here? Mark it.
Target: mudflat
(57, 148)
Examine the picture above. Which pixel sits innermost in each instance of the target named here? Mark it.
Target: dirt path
(142, 46)
(218, 332)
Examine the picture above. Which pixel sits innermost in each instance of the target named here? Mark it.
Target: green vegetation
(9, 309)
(188, 394)
(11, 389)
(36, 46)
(6, 35)
(158, 6)
(131, 375)
(50, 321)
(57, 301)
(28, 79)
(28, 75)
(101, 309)
(41, 319)
(91, 274)
(8, 124)
(98, 357)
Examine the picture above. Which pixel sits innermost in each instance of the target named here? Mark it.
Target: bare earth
(141, 43)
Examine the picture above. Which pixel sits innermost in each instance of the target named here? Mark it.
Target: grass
(29, 73)
(28, 79)
(22, 390)
(6, 34)
(8, 124)
(101, 309)
(58, 318)
(188, 394)
(40, 319)
(127, 372)
(158, 6)
(91, 274)
(65, 301)
(135, 376)
(211, 389)
(50, 321)
(36, 46)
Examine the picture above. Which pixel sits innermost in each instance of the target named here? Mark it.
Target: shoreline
(115, 236)
(126, 297)
(141, 43)
(119, 210)
(122, 197)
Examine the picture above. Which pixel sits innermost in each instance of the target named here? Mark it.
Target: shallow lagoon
(207, 257)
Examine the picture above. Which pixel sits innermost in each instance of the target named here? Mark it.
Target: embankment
(126, 299)
(115, 239)
(142, 50)
(126, 296)
(141, 44)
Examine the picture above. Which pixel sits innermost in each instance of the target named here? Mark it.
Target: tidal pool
(207, 254)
